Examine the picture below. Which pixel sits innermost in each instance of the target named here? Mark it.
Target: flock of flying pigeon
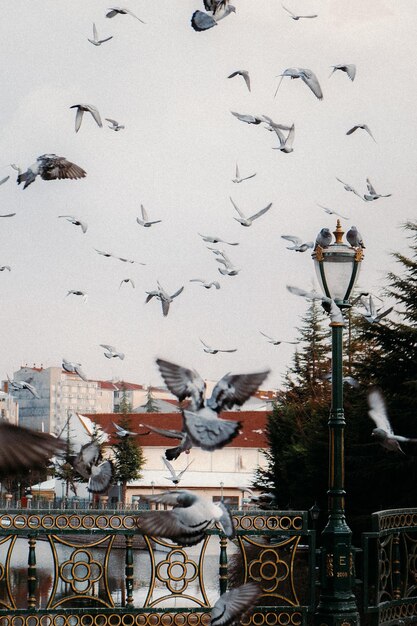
(190, 514)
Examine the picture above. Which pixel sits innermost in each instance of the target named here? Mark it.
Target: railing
(93, 567)
(390, 567)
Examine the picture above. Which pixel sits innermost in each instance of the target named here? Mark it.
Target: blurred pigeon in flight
(324, 238)
(299, 245)
(349, 187)
(103, 253)
(96, 41)
(5, 267)
(244, 74)
(364, 127)
(349, 380)
(81, 109)
(354, 237)
(75, 221)
(210, 239)
(114, 125)
(219, 9)
(277, 342)
(247, 221)
(185, 444)
(145, 220)
(206, 284)
(78, 292)
(113, 11)
(332, 212)
(164, 297)
(233, 605)
(329, 305)
(383, 432)
(238, 178)
(89, 465)
(229, 269)
(249, 119)
(210, 350)
(307, 76)
(112, 353)
(285, 143)
(122, 432)
(187, 521)
(73, 368)
(372, 194)
(23, 449)
(174, 476)
(372, 315)
(19, 385)
(8, 215)
(350, 70)
(50, 167)
(201, 420)
(296, 17)
(127, 280)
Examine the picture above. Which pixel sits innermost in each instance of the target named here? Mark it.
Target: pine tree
(150, 405)
(129, 458)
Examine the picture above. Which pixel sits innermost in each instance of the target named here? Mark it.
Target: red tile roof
(252, 432)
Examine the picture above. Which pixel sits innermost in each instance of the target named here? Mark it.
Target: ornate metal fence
(390, 567)
(94, 568)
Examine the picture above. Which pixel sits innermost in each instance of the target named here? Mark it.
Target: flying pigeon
(233, 605)
(73, 368)
(122, 432)
(5, 267)
(174, 476)
(81, 109)
(89, 465)
(296, 17)
(185, 442)
(113, 11)
(210, 350)
(229, 269)
(372, 194)
(219, 8)
(331, 212)
(187, 521)
(244, 74)
(201, 419)
(247, 221)
(238, 178)
(19, 385)
(349, 187)
(77, 292)
(277, 342)
(127, 280)
(354, 237)
(75, 221)
(114, 125)
(383, 432)
(145, 221)
(329, 305)
(307, 76)
(96, 41)
(210, 239)
(164, 297)
(23, 449)
(324, 238)
(349, 380)
(285, 143)
(350, 70)
(102, 253)
(112, 353)
(299, 245)
(372, 315)
(206, 284)
(363, 127)
(49, 167)
(249, 119)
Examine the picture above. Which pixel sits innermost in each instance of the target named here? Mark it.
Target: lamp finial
(339, 232)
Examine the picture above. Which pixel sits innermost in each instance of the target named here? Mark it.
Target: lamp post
(314, 514)
(337, 268)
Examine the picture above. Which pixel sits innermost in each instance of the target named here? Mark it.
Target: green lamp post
(337, 268)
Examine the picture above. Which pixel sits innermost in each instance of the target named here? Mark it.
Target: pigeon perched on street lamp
(354, 237)
(188, 520)
(201, 419)
(324, 238)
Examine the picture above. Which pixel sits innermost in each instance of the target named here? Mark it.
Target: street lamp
(337, 268)
(314, 514)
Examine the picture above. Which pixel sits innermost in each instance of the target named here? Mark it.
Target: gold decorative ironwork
(318, 253)
(9, 602)
(81, 572)
(280, 521)
(329, 566)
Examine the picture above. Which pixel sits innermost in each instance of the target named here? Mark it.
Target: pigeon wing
(60, 168)
(88, 455)
(183, 382)
(210, 433)
(101, 477)
(311, 81)
(261, 212)
(78, 119)
(202, 21)
(23, 449)
(236, 207)
(235, 389)
(378, 411)
(32, 390)
(234, 604)
(295, 240)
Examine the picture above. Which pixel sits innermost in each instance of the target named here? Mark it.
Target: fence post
(32, 572)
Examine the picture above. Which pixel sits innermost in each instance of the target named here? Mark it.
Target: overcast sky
(167, 84)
